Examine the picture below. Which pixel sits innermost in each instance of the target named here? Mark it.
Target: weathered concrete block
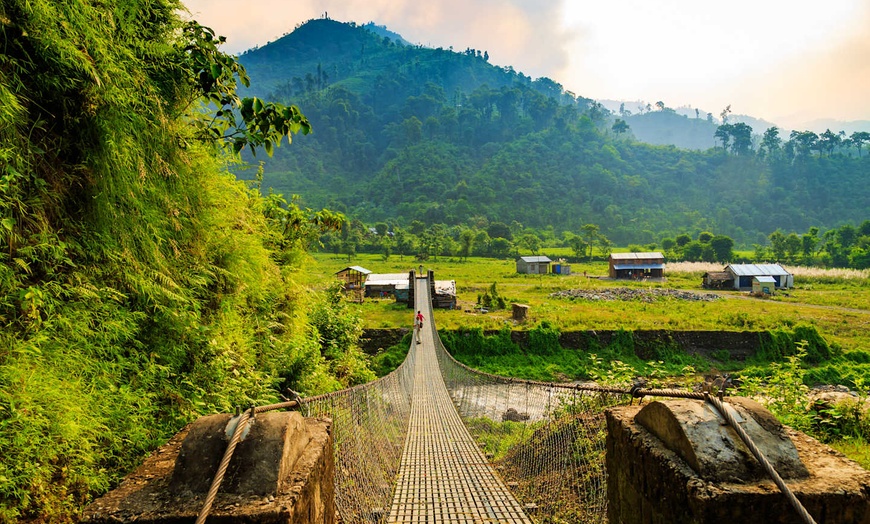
(689, 475)
(701, 437)
(261, 462)
(304, 492)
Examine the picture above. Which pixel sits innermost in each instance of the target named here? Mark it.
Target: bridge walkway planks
(443, 476)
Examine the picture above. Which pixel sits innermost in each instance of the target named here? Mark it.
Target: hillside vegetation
(140, 284)
(410, 133)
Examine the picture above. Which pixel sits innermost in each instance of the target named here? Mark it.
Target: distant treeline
(847, 246)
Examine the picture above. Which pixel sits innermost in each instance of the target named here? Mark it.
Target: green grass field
(839, 308)
(836, 303)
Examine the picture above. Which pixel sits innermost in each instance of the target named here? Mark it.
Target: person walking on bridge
(418, 324)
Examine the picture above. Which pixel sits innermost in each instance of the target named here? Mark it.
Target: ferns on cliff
(139, 285)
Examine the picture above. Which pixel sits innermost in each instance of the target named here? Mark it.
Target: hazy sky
(788, 61)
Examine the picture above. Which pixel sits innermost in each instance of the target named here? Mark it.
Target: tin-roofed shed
(743, 274)
(354, 277)
(445, 294)
(635, 266)
(385, 284)
(763, 285)
(537, 265)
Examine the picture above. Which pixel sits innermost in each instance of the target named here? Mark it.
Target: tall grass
(140, 285)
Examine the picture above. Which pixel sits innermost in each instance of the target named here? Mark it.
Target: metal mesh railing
(369, 426)
(546, 440)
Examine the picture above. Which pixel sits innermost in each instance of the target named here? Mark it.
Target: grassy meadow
(836, 303)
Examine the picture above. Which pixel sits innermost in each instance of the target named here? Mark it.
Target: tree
(723, 133)
(590, 234)
(777, 244)
(809, 241)
(466, 241)
(705, 237)
(530, 242)
(804, 142)
(404, 242)
(829, 141)
(722, 248)
(660, 105)
(858, 139)
(742, 135)
(499, 230)
(792, 246)
(771, 143)
(578, 246)
(620, 126)
(683, 239)
(693, 251)
(501, 247)
(482, 243)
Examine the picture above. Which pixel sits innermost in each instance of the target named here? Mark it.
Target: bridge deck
(443, 476)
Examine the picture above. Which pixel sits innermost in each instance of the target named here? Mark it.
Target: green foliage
(543, 339)
(214, 74)
(389, 359)
(491, 299)
(780, 343)
(447, 138)
(783, 390)
(338, 329)
(139, 286)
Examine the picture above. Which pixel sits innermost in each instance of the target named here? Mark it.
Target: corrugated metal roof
(361, 269)
(638, 266)
(767, 279)
(751, 270)
(636, 256)
(445, 287)
(535, 259)
(386, 278)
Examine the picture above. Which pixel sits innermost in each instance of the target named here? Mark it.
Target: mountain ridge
(405, 133)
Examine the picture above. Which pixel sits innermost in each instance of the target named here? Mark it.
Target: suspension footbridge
(443, 475)
(410, 447)
(438, 442)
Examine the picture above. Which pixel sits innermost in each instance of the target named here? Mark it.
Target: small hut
(353, 277)
(717, 280)
(445, 294)
(538, 265)
(763, 286)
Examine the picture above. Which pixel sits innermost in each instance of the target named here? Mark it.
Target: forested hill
(405, 133)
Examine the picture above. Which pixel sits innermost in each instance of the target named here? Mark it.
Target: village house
(743, 274)
(636, 266)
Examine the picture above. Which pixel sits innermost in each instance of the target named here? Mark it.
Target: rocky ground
(639, 294)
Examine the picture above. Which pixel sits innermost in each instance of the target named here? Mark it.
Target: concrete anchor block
(699, 434)
(282, 473)
(651, 479)
(261, 461)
